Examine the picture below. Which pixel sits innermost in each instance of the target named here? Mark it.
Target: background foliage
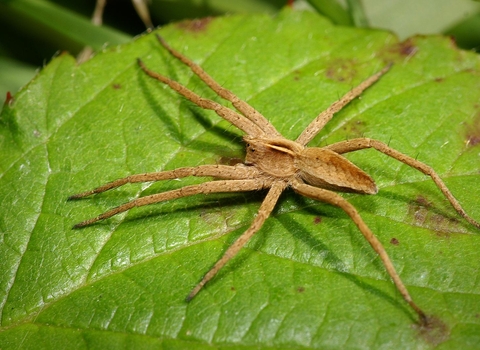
(33, 31)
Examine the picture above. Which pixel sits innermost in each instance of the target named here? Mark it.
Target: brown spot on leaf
(354, 128)
(195, 25)
(453, 41)
(434, 332)
(296, 75)
(301, 289)
(472, 137)
(394, 241)
(424, 214)
(213, 217)
(407, 48)
(341, 70)
(423, 201)
(402, 50)
(117, 86)
(9, 99)
(317, 220)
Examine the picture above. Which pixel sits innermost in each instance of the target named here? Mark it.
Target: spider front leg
(221, 186)
(336, 200)
(236, 172)
(323, 118)
(248, 111)
(263, 213)
(229, 115)
(362, 143)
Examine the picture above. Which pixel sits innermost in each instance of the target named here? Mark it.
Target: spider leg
(231, 116)
(248, 111)
(236, 172)
(204, 188)
(335, 199)
(362, 143)
(323, 118)
(263, 213)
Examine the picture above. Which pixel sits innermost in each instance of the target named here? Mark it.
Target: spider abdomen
(326, 169)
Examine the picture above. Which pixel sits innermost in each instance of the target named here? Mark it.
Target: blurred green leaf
(332, 10)
(70, 30)
(167, 11)
(357, 13)
(467, 32)
(13, 75)
(308, 279)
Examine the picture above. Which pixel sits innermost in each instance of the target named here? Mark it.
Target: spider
(275, 163)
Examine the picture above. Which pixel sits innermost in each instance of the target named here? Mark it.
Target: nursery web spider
(272, 162)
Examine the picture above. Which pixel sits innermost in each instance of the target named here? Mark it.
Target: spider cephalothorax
(275, 163)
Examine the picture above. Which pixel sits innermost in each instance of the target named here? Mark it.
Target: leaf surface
(308, 279)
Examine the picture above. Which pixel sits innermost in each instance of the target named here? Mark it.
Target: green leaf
(58, 24)
(332, 10)
(308, 279)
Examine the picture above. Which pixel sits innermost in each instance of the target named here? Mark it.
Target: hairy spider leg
(338, 201)
(236, 172)
(324, 117)
(363, 143)
(229, 115)
(242, 106)
(264, 211)
(203, 188)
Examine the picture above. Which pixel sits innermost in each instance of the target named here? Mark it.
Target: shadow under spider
(301, 232)
(214, 203)
(198, 117)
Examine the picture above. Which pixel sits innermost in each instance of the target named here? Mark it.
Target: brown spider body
(320, 167)
(275, 163)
